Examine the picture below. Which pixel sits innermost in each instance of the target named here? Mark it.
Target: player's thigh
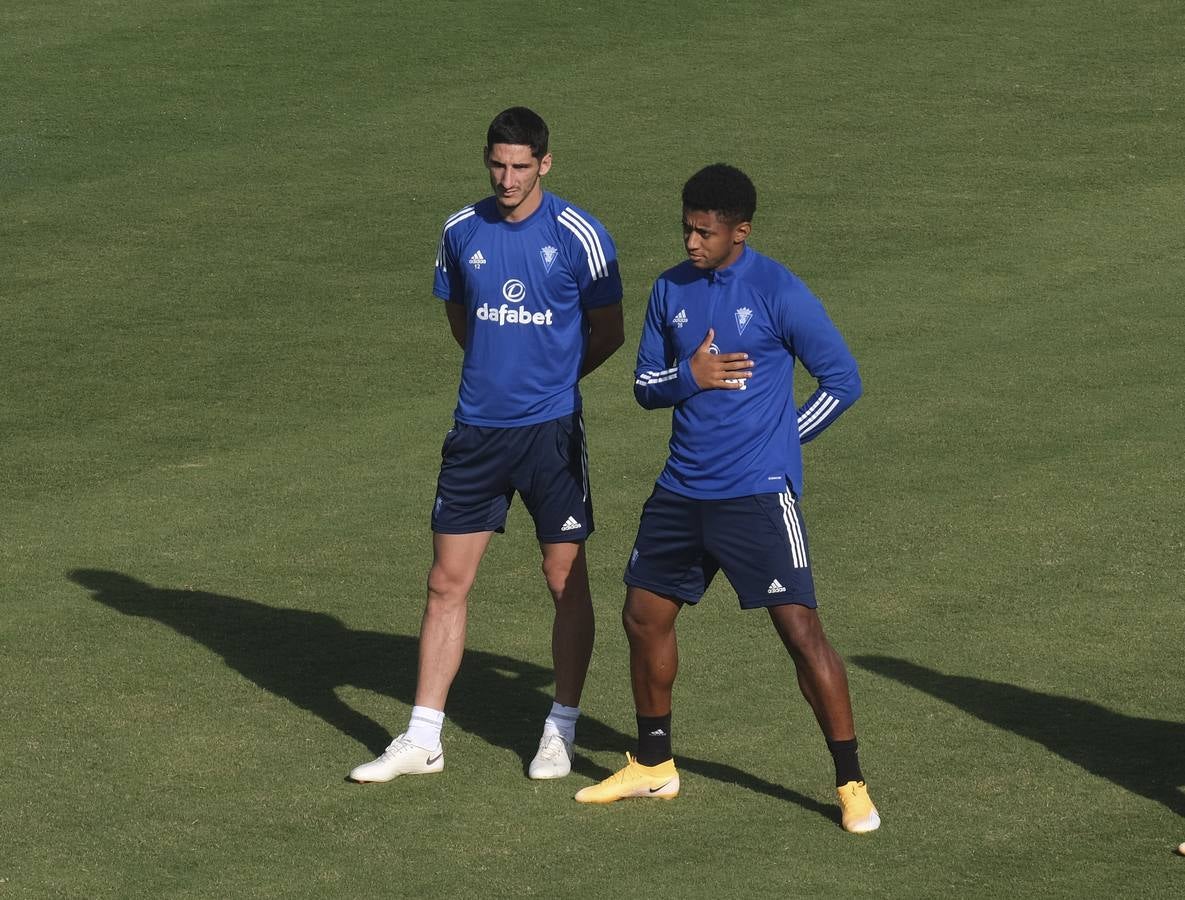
(760, 542)
(648, 614)
(455, 558)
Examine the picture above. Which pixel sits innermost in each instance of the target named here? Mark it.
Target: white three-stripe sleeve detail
(649, 378)
(814, 416)
(793, 530)
(452, 220)
(814, 408)
(588, 237)
(823, 395)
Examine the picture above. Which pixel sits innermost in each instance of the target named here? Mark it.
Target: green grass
(224, 384)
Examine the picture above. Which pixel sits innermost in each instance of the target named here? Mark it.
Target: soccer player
(532, 292)
(722, 332)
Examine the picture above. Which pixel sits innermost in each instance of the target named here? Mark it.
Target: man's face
(712, 242)
(514, 176)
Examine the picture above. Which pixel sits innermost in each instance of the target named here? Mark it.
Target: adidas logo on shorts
(570, 525)
(775, 587)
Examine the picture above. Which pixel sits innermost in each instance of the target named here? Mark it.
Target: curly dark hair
(722, 189)
(519, 125)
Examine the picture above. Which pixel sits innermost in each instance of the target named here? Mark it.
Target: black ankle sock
(847, 762)
(654, 739)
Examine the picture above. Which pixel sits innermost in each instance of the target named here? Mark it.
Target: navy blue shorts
(759, 541)
(547, 464)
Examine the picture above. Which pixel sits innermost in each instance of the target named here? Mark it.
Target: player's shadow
(305, 657)
(1140, 755)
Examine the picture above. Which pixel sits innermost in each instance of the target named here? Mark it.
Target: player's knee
(446, 588)
(566, 583)
(558, 576)
(638, 626)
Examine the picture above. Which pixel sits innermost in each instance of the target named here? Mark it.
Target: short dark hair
(722, 189)
(519, 125)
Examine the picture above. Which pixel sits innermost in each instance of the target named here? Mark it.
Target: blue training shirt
(733, 443)
(526, 286)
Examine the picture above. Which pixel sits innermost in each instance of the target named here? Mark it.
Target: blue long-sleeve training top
(732, 443)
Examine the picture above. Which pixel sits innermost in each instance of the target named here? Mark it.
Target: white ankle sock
(562, 721)
(423, 729)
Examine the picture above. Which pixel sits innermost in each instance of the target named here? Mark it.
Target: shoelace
(554, 748)
(396, 746)
(621, 774)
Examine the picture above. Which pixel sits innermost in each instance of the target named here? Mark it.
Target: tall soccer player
(719, 344)
(532, 292)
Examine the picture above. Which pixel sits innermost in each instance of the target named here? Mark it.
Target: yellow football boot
(859, 815)
(635, 780)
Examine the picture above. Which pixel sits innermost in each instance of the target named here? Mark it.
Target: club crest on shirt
(744, 314)
(548, 254)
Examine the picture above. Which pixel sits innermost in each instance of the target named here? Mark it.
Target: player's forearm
(826, 405)
(600, 348)
(655, 388)
(823, 353)
(457, 322)
(606, 332)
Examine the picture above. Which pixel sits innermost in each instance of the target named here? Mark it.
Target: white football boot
(553, 759)
(401, 757)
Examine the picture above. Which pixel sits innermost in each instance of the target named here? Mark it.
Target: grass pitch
(225, 383)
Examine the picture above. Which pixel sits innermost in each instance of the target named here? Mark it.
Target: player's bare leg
(822, 677)
(572, 634)
(823, 681)
(574, 628)
(442, 630)
(417, 751)
(649, 621)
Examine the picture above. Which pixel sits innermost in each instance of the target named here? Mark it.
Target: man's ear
(545, 164)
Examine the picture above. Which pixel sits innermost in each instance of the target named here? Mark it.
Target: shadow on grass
(1140, 755)
(305, 657)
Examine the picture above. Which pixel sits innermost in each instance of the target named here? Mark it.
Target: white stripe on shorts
(793, 530)
(583, 454)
